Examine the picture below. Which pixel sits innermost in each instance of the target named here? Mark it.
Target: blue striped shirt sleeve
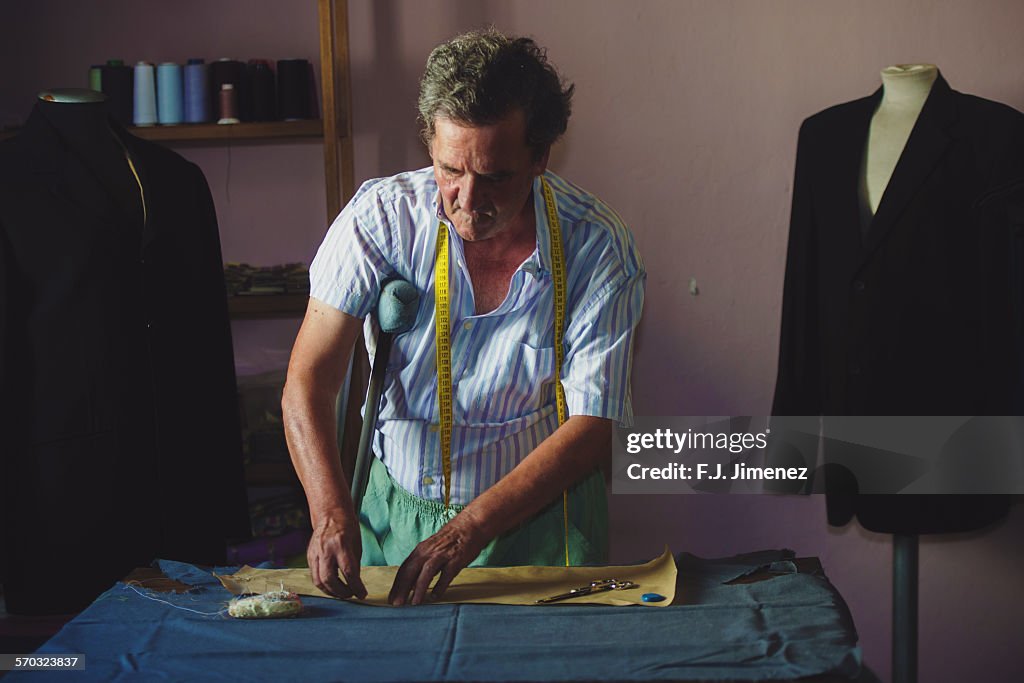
(353, 259)
(606, 301)
(598, 360)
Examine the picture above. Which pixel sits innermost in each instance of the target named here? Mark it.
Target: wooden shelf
(212, 132)
(259, 306)
(217, 134)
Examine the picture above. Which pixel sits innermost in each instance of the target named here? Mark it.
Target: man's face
(485, 174)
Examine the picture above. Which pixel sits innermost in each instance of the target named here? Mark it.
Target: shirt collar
(440, 213)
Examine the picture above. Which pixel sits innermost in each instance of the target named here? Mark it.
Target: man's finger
(403, 580)
(426, 575)
(314, 570)
(332, 585)
(350, 570)
(448, 574)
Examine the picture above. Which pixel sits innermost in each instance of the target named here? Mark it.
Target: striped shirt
(503, 362)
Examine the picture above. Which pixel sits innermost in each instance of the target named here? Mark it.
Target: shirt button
(858, 285)
(468, 325)
(428, 480)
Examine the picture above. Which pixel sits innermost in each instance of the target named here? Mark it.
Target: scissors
(598, 586)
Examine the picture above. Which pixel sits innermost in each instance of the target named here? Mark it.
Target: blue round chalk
(652, 597)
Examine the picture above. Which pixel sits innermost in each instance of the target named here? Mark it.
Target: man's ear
(540, 164)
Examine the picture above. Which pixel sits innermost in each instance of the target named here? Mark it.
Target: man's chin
(476, 231)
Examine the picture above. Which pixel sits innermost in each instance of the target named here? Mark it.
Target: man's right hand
(336, 545)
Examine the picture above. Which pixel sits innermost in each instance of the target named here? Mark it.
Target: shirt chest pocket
(512, 385)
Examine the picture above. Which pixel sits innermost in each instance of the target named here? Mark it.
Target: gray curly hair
(477, 78)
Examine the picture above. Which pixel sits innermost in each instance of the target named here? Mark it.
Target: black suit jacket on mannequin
(916, 315)
(119, 418)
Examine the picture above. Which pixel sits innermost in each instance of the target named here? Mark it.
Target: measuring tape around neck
(442, 335)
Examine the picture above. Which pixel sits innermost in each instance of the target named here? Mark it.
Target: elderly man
(492, 426)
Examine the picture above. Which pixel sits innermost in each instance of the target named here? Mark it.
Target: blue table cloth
(788, 626)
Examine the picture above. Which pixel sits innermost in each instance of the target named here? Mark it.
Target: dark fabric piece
(120, 431)
(789, 626)
(916, 317)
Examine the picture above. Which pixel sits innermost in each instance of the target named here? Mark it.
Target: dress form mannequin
(905, 88)
(112, 314)
(902, 292)
(91, 178)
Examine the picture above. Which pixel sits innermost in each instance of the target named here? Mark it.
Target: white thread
(187, 609)
(282, 603)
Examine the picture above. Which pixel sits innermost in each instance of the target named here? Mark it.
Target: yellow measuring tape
(442, 333)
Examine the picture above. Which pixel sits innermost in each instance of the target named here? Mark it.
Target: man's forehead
(489, 148)
(510, 128)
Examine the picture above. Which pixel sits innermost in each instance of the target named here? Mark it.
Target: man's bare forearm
(315, 373)
(576, 449)
(311, 432)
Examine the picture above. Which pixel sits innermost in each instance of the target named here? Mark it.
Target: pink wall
(685, 121)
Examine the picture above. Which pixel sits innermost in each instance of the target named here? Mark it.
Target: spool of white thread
(145, 95)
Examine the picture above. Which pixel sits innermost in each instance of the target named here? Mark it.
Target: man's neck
(493, 262)
(906, 86)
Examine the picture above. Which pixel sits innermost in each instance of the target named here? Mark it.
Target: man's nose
(469, 193)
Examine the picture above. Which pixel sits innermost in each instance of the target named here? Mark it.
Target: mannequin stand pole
(904, 608)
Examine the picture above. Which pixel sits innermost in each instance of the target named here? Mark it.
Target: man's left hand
(447, 552)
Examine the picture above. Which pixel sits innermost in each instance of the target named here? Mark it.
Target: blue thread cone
(197, 96)
(169, 93)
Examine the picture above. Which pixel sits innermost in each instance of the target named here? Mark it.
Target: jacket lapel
(924, 149)
(50, 159)
(138, 157)
(75, 180)
(840, 158)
